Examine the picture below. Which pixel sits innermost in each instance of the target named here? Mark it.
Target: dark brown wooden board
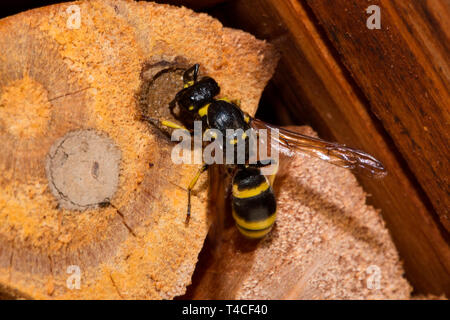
(312, 86)
(403, 69)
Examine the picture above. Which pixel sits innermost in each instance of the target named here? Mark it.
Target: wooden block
(403, 70)
(88, 192)
(327, 244)
(312, 86)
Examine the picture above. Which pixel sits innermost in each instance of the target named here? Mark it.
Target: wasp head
(196, 93)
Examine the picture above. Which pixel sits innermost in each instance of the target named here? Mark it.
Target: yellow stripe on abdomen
(255, 234)
(251, 192)
(254, 225)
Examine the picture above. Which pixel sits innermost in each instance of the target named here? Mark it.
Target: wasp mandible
(253, 199)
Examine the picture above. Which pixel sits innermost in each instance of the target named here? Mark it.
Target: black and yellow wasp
(253, 200)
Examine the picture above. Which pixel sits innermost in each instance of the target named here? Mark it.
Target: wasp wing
(290, 142)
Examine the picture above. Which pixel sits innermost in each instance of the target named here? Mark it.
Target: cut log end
(91, 205)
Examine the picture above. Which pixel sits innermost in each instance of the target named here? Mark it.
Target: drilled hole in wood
(161, 81)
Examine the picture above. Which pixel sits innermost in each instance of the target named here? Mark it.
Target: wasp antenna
(149, 119)
(191, 74)
(172, 104)
(196, 68)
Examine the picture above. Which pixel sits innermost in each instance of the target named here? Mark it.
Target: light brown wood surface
(68, 113)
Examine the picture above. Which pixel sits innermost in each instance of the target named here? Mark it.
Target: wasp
(253, 199)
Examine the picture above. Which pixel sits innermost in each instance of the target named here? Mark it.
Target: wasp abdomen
(254, 204)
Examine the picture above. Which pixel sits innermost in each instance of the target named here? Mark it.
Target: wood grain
(55, 81)
(311, 86)
(404, 71)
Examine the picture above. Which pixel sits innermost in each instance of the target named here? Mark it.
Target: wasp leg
(173, 125)
(272, 176)
(187, 74)
(191, 186)
(165, 123)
